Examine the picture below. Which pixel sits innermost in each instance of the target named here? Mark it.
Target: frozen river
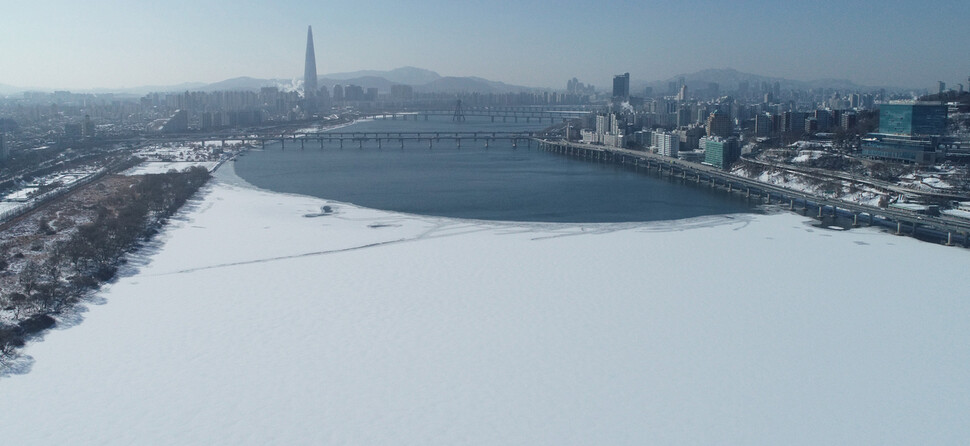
(257, 320)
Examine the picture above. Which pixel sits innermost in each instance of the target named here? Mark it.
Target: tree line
(91, 256)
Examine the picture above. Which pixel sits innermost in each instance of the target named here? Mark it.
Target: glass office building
(912, 119)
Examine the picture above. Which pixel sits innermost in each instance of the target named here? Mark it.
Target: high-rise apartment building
(682, 94)
(621, 86)
(762, 124)
(87, 127)
(719, 124)
(667, 144)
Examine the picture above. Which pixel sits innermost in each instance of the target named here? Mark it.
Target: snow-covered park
(162, 157)
(263, 318)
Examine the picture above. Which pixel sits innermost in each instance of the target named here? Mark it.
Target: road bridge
(303, 139)
(505, 114)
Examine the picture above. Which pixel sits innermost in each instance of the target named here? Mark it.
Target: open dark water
(500, 183)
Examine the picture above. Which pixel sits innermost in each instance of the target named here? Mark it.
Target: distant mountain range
(403, 75)
(728, 79)
(427, 81)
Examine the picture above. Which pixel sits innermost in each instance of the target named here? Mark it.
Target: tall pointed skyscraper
(310, 73)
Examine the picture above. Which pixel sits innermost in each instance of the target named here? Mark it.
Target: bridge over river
(549, 114)
(303, 140)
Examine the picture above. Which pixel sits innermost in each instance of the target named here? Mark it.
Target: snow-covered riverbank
(260, 318)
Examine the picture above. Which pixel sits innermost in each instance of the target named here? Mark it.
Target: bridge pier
(899, 228)
(949, 239)
(791, 205)
(283, 144)
(820, 207)
(855, 219)
(302, 143)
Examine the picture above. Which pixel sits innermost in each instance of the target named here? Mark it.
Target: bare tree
(29, 277)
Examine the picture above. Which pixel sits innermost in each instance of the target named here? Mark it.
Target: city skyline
(64, 45)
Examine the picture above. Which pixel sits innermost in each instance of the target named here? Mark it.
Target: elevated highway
(949, 229)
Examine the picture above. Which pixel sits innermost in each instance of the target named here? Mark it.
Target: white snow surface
(805, 156)
(252, 322)
(153, 167)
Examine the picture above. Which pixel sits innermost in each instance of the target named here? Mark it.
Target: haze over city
(63, 44)
(484, 223)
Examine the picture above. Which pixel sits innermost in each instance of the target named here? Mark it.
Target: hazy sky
(71, 44)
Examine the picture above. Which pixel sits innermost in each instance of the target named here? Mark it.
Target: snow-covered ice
(259, 319)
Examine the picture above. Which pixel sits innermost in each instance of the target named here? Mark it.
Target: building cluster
(575, 87)
(716, 129)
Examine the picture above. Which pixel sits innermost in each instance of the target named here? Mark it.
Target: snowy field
(152, 167)
(160, 158)
(9, 205)
(837, 189)
(260, 319)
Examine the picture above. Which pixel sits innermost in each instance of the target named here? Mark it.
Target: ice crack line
(294, 256)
